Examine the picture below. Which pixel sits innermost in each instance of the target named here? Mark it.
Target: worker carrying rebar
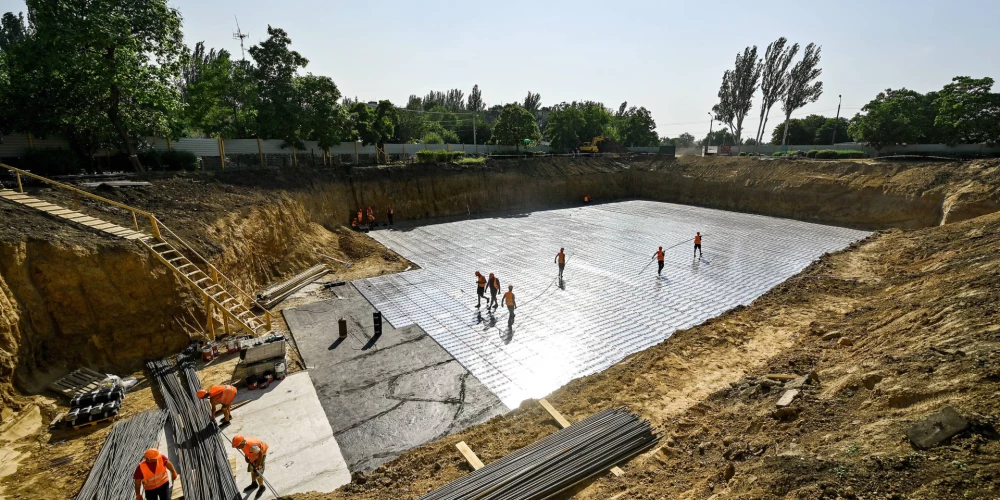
(371, 219)
(220, 395)
(697, 245)
(508, 299)
(561, 260)
(659, 260)
(480, 290)
(494, 284)
(389, 213)
(255, 453)
(151, 475)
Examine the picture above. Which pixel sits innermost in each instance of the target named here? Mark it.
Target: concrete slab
(303, 455)
(611, 302)
(384, 395)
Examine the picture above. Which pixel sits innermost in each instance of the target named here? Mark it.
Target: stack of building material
(557, 462)
(95, 406)
(275, 294)
(203, 466)
(111, 476)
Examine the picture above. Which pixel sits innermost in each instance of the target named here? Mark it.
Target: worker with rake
(254, 452)
(151, 475)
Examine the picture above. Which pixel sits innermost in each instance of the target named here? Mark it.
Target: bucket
(279, 370)
(215, 350)
(207, 354)
(232, 346)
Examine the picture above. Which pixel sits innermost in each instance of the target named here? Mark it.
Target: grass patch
(470, 160)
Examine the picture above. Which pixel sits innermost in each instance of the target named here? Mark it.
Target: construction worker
(361, 218)
(480, 290)
(494, 285)
(659, 260)
(371, 219)
(697, 245)
(561, 260)
(254, 452)
(388, 214)
(222, 395)
(151, 475)
(508, 299)
(586, 200)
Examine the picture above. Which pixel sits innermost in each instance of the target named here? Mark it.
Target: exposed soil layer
(895, 327)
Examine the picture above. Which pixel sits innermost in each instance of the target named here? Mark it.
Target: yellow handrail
(154, 222)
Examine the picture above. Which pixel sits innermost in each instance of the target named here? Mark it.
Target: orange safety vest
(481, 281)
(496, 282)
(250, 453)
(222, 394)
(562, 257)
(152, 479)
(509, 299)
(659, 255)
(697, 240)
(360, 216)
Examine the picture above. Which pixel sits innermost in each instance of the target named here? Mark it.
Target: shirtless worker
(480, 290)
(659, 260)
(561, 260)
(697, 245)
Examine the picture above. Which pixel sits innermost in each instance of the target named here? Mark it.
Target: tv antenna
(240, 35)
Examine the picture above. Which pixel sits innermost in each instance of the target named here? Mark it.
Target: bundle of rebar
(556, 462)
(111, 476)
(204, 468)
(272, 296)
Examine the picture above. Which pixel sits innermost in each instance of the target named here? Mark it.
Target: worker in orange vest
(586, 199)
(361, 218)
(151, 475)
(255, 453)
(561, 260)
(697, 245)
(480, 290)
(494, 285)
(371, 219)
(659, 260)
(389, 213)
(222, 395)
(508, 299)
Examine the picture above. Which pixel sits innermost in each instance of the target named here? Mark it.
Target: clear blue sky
(665, 55)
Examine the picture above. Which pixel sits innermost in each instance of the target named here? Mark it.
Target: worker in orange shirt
(508, 299)
(480, 290)
(494, 284)
(561, 260)
(697, 245)
(659, 260)
(361, 218)
(220, 395)
(389, 212)
(255, 453)
(371, 219)
(151, 475)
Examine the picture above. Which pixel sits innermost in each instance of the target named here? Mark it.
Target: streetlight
(837, 120)
(711, 119)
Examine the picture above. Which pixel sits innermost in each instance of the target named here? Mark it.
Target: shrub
(48, 162)
(472, 160)
(432, 138)
(778, 153)
(839, 154)
(744, 153)
(179, 160)
(438, 156)
(811, 153)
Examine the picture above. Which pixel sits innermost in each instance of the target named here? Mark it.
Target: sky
(665, 55)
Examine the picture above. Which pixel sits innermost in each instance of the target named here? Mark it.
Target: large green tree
(323, 118)
(374, 124)
(802, 85)
(565, 127)
(637, 128)
(514, 125)
(206, 84)
(279, 114)
(968, 112)
(893, 117)
(736, 93)
(773, 79)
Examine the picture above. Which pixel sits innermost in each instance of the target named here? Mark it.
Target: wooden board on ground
(77, 382)
(470, 456)
(94, 422)
(561, 420)
(178, 491)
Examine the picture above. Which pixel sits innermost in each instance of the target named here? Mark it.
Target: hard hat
(238, 440)
(202, 393)
(561, 249)
(152, 454)
(661, 248)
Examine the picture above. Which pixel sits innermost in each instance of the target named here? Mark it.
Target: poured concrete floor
(302, 453)
(385, 395)
(608, 305)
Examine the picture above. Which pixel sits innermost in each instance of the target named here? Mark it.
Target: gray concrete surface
(611, 302)
(387, 395)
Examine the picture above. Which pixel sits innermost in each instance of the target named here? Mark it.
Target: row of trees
(106, 74)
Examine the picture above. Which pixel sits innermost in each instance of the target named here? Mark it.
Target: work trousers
(510, 317)
(480, 295)
(561, 267)
(390, 218)
(493, 299)
(697, 249)
(660, 267)
(161, 493)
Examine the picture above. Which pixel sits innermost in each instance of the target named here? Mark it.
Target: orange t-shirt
(697, 240)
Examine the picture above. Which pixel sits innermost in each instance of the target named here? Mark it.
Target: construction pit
(875, 281)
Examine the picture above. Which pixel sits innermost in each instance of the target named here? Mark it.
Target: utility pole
(837, 120)
(709, 138)
(474, 143)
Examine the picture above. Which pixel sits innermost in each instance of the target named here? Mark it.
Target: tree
(564, 128)
(532, 102)
(721, 137)
(737, 90)
(803, 131)
(968, 112)
(802, 87)
(638, 129)
(824, 134)
(13, 30)
(279, 113)
(475, 102)
(206, 81)
(684, 140)
(454, 100)
(893, 117)
(774, 79)
(514, 125)
(373, 125)
(322, 118)
(116, 59)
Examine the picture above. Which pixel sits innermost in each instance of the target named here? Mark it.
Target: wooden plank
(469, 455)
(781, 376)
(565, 423)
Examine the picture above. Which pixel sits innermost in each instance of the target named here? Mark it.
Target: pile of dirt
(892, 330)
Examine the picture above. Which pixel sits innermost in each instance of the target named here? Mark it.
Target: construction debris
(275, 294)
(558, 461)
(78, 382)
(936, 428)
(111, 476)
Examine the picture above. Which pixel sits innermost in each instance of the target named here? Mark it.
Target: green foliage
(279, 112)
(744, 153)
(180, 160)
(737, 90)
(564, 128)
(51, 162)
(773, 79)
(893, 117)
(812, 130)
(684, 140)
(802, 85)
(207, 83)
(432, 138)
(472, 160)
(811, 153)
(719, 137)
(514, 125)
(968, 112)
(322, 118)
(837, 154)
(374, 125)
(439, 156)
(637, 128)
